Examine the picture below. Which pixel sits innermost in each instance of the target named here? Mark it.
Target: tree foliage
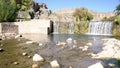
(109, 19)
(118, 9)
(23, 4)
(82, 14)
(8, 11)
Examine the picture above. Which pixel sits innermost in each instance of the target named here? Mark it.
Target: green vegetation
(63, 28)
(82, 14)
(109, 19)
(23, 4)
(8, 11)
(81, 27)
(82, 17)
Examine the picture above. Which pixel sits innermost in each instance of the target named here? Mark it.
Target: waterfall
(100, 28)
(56, 28)
(71, 28)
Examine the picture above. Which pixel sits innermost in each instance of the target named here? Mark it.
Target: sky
(98, 5)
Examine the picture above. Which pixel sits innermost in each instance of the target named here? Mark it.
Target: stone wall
(41, 26)
(8, 28)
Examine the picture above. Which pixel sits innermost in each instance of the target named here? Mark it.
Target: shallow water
(66, 57)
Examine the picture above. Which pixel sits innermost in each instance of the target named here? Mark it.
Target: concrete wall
(8, 28)
(41, 26)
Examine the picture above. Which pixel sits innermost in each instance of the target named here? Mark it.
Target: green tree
(8, 11)
(118, 9)
(82, 14)
(23, 4)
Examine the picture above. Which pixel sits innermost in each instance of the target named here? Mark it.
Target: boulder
(37, 57)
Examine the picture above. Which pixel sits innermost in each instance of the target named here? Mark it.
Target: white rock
(69, 40)
(89, 44)
(97, 65)
(37, 57)
(63, 43)
(24, 54)
(17, 36)
(70, 67)
(75, 42)
(15, 63)
(29, 42)
(85, 48)
(40, 44)
(54, 64)
(35, 66)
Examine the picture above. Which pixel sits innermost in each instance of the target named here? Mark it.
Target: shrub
(8, 11)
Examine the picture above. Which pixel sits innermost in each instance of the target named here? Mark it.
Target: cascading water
(100, 28)
(56, 28)
(63, 28)
(71, 28)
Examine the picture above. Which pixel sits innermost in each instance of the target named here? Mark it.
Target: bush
(8, 11)
(81, 27)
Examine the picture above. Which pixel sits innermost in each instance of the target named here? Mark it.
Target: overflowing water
(71, 28)
(63, 28)
(56, 28)
(100, 28)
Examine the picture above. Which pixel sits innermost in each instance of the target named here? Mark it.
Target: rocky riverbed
(19, 53)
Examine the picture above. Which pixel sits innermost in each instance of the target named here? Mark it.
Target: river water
(66, 56)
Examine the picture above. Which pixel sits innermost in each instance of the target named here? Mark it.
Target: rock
(97, 65)
(1, 45)
(74, 46)
(29, 56)
(54, 64)
(15, 63)
(1, 50)
(70, 67)
(69, 40)
(35, 66)
(75, 42)
(85, 48)
(40, 44)
(37, 57)
(24, 54)
(18, 36)
(29, 42)
(89, 44)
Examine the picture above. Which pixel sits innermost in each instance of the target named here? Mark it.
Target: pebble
(1, 50)
(29, 42)
(1, 45)
(40, 44)
(24, 54)
(70, 67)
(29, 56)
(35, 66)
(15, 63)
